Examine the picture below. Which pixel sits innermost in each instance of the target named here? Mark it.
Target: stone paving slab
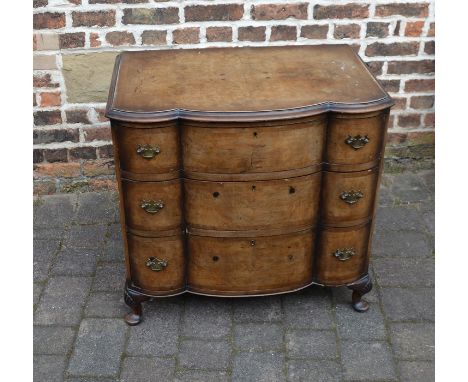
(311, 335)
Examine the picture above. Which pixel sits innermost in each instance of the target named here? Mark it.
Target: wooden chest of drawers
(246, 171)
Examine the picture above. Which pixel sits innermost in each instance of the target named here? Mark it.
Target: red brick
(314, 31)
(151, 16)
(57, 170)
(106, 151)
(347, 31)
(419, 85)
(218, 34)
(77, 116)
(48, 20)
(118, 38)
(55, 135)
(392, 86)
(153, 37)
(346, 11)
(44, 81)
(34, 42)
(98, 167)
(403, 9)
(414, 29)
(98, 184)
(91, 19)
(422, 102)
(55, 155)
(407, 67)
(396, 138)
(72, 40)
(97, 134)
(409, 120)
(251, 33)
(431, 31)
(216, 12)
(94, 40)
(279, 11)
(400, 103)
(392, 49)
(50, 99)
(34, 99)
(429, 120)
(429, 47)
(376, 29)
(283, 33)
(47, 117)
(375, 67)
(186, 36)
(78, 153)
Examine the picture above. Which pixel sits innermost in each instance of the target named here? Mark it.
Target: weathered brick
(48, 99)
(279, 11)
(94, 40)
(429, 47)
(251, 33)
(414, 29)
(400, 103)
(215, 34)
(55, 155)
(117, 38)
(57, 170)
(407, 67)
(419, 85)
(44, 187)
(422, 102)
(409, 120)
(98, 167)
(38, 156)
(46, 41)
(283, 33)
(77, 116)
(314, 31)
(396, 31)
(98, 184)
(91, 19)
(390, 85)
(118, 1)
(82, 153)
(347, 31)
(48, 20)
(97, 134)
(402, 9)
(153, 37)
(151, 16)
(40, 3)
(44, 62)
(72, 40)
(55, 135)
(346, 11)
(392, 49)
(376, 29)
(216, 12)
(431, 31)
(106, 151)
(47, 117)
(429, 120)
(375, 67)
(186, 36)
(101, 114)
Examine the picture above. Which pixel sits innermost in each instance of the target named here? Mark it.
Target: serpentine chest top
(246, 171)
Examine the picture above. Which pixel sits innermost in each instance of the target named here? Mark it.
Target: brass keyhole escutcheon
(357, 142)
(148, 151)
(352, 196)
(152, 206)
(156, 264)
(344, 253)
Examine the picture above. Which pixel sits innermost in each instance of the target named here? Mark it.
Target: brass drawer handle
(344, 253)
(156, 264)
(148, 151)
(152, 206)
(357, 142)
(352, 196)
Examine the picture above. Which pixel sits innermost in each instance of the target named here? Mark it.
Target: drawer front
(152, 206)
(357, 139)
(256, 149)
(157, 264)
(342, 255)
(233, 266)
(348, 197)
(148, 150)
(253, 205)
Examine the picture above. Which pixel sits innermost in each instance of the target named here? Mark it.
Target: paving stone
(402, 304)
(62, 301)
(44, 252)
(206, 317)
(48, 233)
(85, 236)
(401, 244)
(367, 361)
(48, 368)
(428, 177)
(113, 248)
(106, 304)
(257, 309)
(53, 339)
(110, 277)
(413, 340)
(157, 334)
(385, 196)
(202, 376)
(258, 336)
(342, 295)
(405, 271)
(360, 326)
(410, 188)
(147, 369)
(399, 219)
(37, 291)
(308, 310)
(75, 261)
(98, 348)
(259, 367)
(317, 344)
(55, 210)
(416, 371)
(90, 379)
(313, 371)
(96, 207)
(199, 354)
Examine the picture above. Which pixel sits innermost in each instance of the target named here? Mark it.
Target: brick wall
(75, 43)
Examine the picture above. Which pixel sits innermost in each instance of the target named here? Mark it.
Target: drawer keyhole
(292, 190)
(215, 258)
(215, 194)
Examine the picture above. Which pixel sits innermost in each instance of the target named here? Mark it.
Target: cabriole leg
(360, 288)
(133, 300)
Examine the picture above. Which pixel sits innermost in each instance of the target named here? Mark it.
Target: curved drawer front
(152, 206)
(348, 197)
(157, 264)
(355, 139)
(342, 255)
(235, 266)
(253, 205)
(147, 150)
(253, 149)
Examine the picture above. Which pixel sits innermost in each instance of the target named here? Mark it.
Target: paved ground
(313, 335)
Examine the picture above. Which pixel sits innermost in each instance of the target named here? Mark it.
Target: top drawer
(152, 149)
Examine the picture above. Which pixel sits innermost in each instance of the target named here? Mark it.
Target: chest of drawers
(246, 171)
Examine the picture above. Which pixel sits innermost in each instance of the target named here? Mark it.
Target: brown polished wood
(246, 171)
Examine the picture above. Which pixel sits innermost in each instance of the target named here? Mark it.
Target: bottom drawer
(157, 265)
(342, 255)
(249, 266)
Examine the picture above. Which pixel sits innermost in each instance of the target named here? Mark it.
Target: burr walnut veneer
(246, 171)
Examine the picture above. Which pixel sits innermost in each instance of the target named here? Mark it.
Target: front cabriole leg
(133, 299)
(360, 288)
